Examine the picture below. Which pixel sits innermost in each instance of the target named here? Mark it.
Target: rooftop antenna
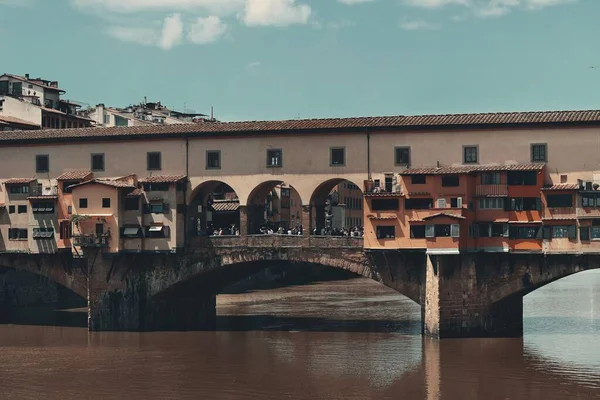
(212, 113)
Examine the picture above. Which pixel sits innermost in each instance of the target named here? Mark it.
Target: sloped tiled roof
(75, 175)
(562, 186)
(136, 193)
(107, 182)
(19, 181)
(467, 169)
(164, 179)
(19, 121)
(443, 214)
(418, 122)
(226, 205)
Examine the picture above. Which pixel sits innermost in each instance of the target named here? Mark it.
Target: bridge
(460, 295)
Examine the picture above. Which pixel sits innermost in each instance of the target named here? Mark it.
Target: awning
(156, 228)
(131, 231)
(99, 215)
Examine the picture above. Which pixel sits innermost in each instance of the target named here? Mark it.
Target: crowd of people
(268, 230)
(356, 231)
(234, 230)
(231, 230)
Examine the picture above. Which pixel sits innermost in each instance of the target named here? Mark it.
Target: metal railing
(91, 240)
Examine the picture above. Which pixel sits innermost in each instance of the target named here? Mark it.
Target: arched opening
(274, 207)
(214, 210)
(27, 298)
(337, 209)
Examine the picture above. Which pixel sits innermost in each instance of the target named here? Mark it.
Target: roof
(107, 182)
(383, 194)
(32, 81)
(19, 181)
(136, 193)
(18, 121)
(164, 179)
(51, 197)
(74, 175)
(226, 205)
(386, 217)
(467, 169)
(419, 194)
(443, 214)
(562, 186)
(361, 124)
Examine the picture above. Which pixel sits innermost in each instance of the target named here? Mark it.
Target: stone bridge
(470, 295)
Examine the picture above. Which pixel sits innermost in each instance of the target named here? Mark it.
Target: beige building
(254, 158)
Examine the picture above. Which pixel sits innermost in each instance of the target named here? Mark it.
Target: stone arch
(320, 198)
(213, 205)
(275, 203)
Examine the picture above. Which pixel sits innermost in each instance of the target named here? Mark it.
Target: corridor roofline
(504, 120)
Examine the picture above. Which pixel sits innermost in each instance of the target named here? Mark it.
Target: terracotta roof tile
(164, 179)
(419, 194)
(107, 182)
(382, 218)
(51, 197)
(226, 205)
(19, 121)
(75, 175)
(464, 169)
(563, 218)
(136, 193)
(418, 122)
(562, 186)
(443, 214)
(19, 181)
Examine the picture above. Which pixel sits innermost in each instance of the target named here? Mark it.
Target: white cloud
(206, 30)
(435, 3)
(418, 24)
(253, 64)
(172, 31)
(143, 36)
(352, 2)
(274, 13)
(220, 7)
(488, 8)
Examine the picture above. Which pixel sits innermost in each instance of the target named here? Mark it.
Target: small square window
(274, 158)
(11, 209)
(337, 156)
(22, 209)
(450, 180)
(154, 161)
(97, 162)
(106, 202)
(42, 163)
(470, 155)
(132, 203)
(402, 156)
(213, 159)
(83, 203)
(539, 152)
(418, 179)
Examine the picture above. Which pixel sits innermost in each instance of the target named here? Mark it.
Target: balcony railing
(498, 190)
(559, 212)
(91, 240)
(43, 192)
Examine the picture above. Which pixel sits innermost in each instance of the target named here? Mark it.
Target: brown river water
(348, 339)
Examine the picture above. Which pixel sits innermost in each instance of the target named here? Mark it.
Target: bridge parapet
(277, 241)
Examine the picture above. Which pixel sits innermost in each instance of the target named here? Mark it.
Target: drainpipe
(185, 202)
(368, 153)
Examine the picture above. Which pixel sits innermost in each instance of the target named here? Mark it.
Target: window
(539, 152)
(19, 189)
(158, 208)
(490, 178)
(384, 204)
(499, 230)
(132, 203)
(563, 232)
(17, 88)
(417, 232)
(132, 232)
(470, 154)
(590, 200)
(274, 158)
(522, 178)
(389, 183)
(492, 203)
(337, 156)
(402, 156)
(97, 162)
(3, 87)
(106, 119)
(67, 186)
(489, 230)
(450, 180)
(455, 202)
(22, 209)
(66, 230)
(153, 160)
(525, 232)
(11, 209)
(157, 231)
(455, 230)
(43, 233)
(213, 159)
(42, 163)
(559, 200)
(17, 234)
(442, 230)
(524, 204)
(83, 203)
(595, 232)
(418, 204)
(418, 179)
(386, 232)
(156, 187)
(42, 207)
(106, 202)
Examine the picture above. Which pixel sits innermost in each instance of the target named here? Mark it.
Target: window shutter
(429, 231)
(547, 232)
(584, 233)
(455, 230)
(538, 204)
(441, 203)
(572, 232)
(505, 227)
(459, 202)
(167, 231)
(476, 232)
(507, 203)
(166, 208)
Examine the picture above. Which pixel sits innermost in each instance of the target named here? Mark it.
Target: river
(347, 339)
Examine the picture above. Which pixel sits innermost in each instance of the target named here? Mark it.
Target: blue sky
(276, 59)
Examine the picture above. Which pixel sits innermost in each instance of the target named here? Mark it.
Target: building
(448, 184)
(143, 114)
(36, 103)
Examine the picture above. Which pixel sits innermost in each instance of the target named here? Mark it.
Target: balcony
(43, 192)
(498, 190)
(92, 240)
(371, 190)
(561, 213)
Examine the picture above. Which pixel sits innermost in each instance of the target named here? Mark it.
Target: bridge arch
(336, 205)
(214, 208)
(273, 204)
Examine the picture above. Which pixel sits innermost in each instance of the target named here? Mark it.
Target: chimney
(27, 76)
(100, 114)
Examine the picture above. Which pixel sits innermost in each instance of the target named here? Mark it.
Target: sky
(289, 59)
